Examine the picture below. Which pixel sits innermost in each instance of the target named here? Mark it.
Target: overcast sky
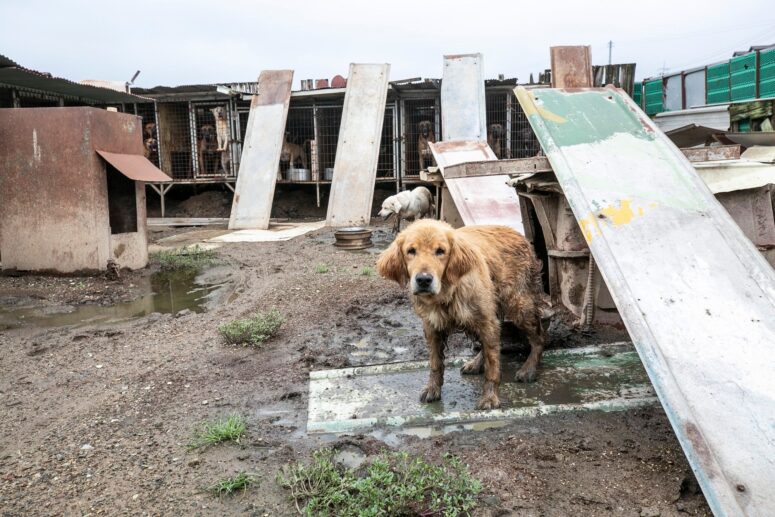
(193, 41)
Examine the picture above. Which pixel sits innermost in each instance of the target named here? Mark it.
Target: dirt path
(95, 419)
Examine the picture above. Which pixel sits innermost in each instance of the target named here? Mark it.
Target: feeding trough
(354, 238)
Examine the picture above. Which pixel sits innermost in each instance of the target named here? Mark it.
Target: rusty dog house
(72, 194)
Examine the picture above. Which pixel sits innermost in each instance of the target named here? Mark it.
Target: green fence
(767, 73)
(743, 77)
(717, 83)
(652, 93)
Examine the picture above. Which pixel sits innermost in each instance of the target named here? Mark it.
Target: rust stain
(701, 449)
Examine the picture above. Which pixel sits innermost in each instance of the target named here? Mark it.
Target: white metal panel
(731, 175)
(355, 166)
(462, 98)
(482, 199)
(694, 88)
(254, 191)
(673, 93)
(697, 297)
(716, 117)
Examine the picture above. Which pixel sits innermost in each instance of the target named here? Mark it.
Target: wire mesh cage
(174, 131)
(509, 134)
(388, 159)
(421, 124)
(147, 114)
(328, 122)
(213, 129)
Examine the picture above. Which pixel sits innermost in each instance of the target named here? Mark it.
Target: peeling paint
(36, 152)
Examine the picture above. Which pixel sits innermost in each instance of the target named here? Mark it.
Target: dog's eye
(439, 252)
(411, 251)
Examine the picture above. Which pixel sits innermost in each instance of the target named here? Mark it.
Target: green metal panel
(717, 83)
(637, 94)
(652, 92)
(767, 73)
(743, 77)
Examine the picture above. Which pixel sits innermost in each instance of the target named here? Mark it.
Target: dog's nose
(424, 280)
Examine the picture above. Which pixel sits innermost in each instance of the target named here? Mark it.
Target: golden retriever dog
(463, 279)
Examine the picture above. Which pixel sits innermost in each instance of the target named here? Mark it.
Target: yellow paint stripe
(528, 102)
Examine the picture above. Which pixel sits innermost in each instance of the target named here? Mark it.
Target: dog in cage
(222, 134)
(426, 135)
(495, 139)
(150, 142)
(293, 153)
(207, 149)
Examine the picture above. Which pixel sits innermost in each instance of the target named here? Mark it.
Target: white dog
(410, 205)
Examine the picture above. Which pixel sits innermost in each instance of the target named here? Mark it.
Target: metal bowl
(298, 174)
(354, 238)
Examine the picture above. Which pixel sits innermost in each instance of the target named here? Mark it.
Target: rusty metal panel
(482, 199)
(697, 297)
(462, 98)
(134, 166)
(254, 191)
(571, 67)
(355, 165)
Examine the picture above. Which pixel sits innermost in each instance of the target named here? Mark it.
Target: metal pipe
(589, 298)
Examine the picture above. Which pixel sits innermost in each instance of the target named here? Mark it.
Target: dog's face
(427, 256)
(496, 130)
(219, 113)
(149, 129)
(390, 206)
(425, 128)
(151, 145)
(208, 133)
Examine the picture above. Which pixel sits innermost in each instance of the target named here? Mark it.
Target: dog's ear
(462, 259)
(391, 263)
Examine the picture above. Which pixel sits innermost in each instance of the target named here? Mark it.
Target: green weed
(229, 429)
(252, 331)
(185, 258)
(392, 484)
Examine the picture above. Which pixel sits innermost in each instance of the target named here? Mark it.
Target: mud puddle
(163, 292)
(608, 377)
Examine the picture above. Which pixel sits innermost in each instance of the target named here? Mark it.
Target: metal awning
(698, 299)
(134, 167)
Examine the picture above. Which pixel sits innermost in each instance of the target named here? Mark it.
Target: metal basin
(356, 238)
(298, 174)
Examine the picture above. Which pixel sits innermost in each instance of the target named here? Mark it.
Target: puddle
(163, 292)
(607, 377)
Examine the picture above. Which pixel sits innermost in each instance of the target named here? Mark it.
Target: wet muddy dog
(464, 279)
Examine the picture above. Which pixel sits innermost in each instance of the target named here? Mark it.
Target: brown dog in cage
(426, 134)
(150, 143)
(293, 153)
(464, 279)
(495, 139)
(222, 132)
(207, 149)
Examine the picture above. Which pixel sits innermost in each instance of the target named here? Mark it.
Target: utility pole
(610, 46)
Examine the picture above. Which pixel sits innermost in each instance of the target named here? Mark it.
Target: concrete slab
(276, 232)
(602, 377)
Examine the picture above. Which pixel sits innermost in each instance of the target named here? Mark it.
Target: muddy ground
(96, 418)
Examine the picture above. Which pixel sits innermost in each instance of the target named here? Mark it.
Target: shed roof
(15, 75)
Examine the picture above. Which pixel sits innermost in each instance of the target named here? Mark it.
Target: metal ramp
(479, 200)
(264, 137)
(357, 151)
(697, 297)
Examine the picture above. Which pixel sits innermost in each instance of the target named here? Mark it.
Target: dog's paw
(473, 366)
(430, 393)
(488, 402)
(526, 374)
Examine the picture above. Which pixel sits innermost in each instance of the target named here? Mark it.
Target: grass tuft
(229, 485)
(322, 269)
(229, 429)
(186, 258)
(367, 271)
(392, 484)
(252, 331)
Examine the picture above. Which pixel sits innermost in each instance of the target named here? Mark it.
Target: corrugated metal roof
(14, 75)
(134, 166)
